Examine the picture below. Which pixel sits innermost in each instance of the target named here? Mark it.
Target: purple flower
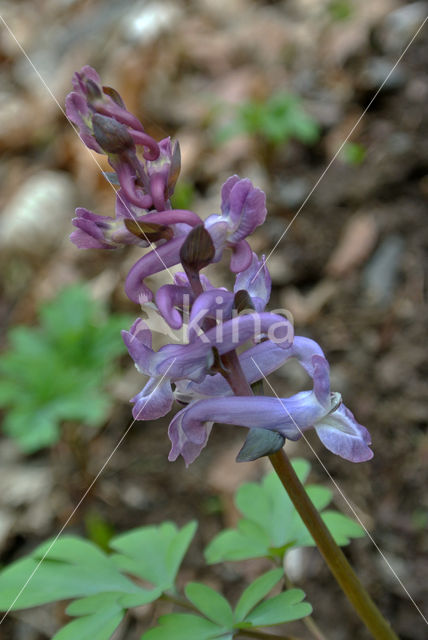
(243, 208)
(291, 417)
(192, 361)
(101, 232)
(218, 321)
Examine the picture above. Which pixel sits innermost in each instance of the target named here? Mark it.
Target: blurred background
(268, 90)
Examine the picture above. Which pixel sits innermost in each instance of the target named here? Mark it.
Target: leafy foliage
(280, 119)
(58, 370)
(139, 566)
(354, 153)
(75, 568)
(221, 622)
(271, 525)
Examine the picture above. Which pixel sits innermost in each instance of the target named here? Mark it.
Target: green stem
(333, 555)
(308, 621)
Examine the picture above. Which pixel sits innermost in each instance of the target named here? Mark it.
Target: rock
(380, 275)
(399, 26)
(293, 191)
(39, 214)
(380, 72)
(147, 21)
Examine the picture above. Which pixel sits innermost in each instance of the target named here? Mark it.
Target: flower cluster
(205, 374)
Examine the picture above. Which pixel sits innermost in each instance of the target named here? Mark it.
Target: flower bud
(197, 250)
(111, 135)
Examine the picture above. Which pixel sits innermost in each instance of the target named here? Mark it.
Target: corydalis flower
(146, 170)
(291, 417)
(243, 209)
(200, 373)
(174, 300)
(192, 361)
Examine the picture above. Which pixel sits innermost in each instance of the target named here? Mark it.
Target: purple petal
(170, 296)
(76, 109)
(321, 380)
(241, 256)
(182, 443)
(79, 78)
(125, 208)
(172, 216)
(257, 281)
(256, 362)
(291, 416)
(131, 193)
(138, 341)
(154, 400)
(143, 139)
(91, 230)
(341, 434)
(217, 229)
(193, 360)
(157, 260)
(215, 303)
(244, 205)
(225, 193)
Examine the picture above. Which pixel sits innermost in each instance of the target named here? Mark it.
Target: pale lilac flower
(318, 409)
(102, 232)
(192, 361)
(243, 208)
(218, 322)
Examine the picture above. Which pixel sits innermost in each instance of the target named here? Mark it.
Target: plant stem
(333, 555)
(308, 621)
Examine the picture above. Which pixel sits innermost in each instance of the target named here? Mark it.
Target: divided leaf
(271, 524)
(70, 567)
(184, 626)
(213, 605)
(97, 626)
(256, 591)
(284, 607)
(153, 553)
(58, 370)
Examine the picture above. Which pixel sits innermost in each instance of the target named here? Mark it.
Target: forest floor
(350, 268)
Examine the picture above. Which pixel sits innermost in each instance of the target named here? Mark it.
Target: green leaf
(256, 592)
(98, 626)
(153, 553)
(92, 604)
(271, 524)
(238, 545)
(183, 626)
(284, 607)
(73, 568)
(59, 370)
(209, 602)
(341, 527)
